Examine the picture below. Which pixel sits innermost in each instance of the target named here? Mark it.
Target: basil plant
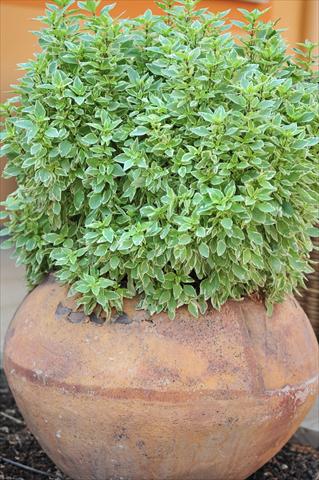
(167, 156)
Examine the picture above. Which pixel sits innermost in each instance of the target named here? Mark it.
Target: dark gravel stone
(62, 311)
(123, 319)
(95, 319)
(76, 317)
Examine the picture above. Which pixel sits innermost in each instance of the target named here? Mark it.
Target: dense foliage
(163, 156)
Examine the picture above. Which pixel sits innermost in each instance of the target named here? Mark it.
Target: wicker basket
(310, 296)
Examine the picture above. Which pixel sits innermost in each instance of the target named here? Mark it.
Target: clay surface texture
(148, 398)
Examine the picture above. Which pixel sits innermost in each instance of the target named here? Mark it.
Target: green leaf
(237, 99)
(138, 239)
(255, 237)
(203, 250)
(266, 207)
(313, 231)
(185, 239)
(139, 131)
(246, 256)
(200, 131)
(78, 199)
(52, 132)
(26, 124)
(200, 232)
(238, 233)
(239, 271)
(56, 208)
(101, 250)
(227, 223)
(193, 309)
(221, 248)
(89, 5)
(106, 282)
(6, 244)
(275, 264)
(307, 142)
(189, 291)
(108, 234)
(39, 111)
(114, 262)
(95, 200)
(56, 192)
(64, 148)
(164, 297)
(133, 75)
(105, 10)
(89, 139)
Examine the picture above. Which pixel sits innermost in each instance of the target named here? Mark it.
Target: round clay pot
(147, 398)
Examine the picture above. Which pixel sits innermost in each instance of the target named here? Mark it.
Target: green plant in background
(163, 156)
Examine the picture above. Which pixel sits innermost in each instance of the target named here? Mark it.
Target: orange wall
(300, 17)
(17, 43)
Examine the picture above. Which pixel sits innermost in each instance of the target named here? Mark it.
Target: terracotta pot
(149, 398)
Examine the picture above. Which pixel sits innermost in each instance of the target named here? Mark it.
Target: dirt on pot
(21, 457)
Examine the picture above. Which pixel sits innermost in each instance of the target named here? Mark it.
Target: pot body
(143, 398)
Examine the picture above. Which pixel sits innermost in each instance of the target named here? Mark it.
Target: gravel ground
(21, 457)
